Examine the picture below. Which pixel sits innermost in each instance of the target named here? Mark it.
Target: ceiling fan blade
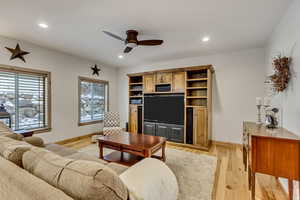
(127, 49)
(150, 42)
(114, 36)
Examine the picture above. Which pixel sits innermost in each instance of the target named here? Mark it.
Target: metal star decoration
(96, 70)
(17, 53)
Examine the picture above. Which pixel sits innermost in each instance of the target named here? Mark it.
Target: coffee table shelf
(122, 158)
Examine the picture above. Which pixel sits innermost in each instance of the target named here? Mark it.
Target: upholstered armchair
(111, 123)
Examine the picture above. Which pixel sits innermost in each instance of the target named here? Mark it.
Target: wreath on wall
(280, 79)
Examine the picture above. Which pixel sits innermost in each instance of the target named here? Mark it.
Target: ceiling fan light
(205, 39)
(131, 45)
(43, 25)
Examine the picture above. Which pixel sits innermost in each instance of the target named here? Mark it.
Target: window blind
(25, 98)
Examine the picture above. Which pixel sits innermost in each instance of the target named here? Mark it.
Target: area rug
(195, 173)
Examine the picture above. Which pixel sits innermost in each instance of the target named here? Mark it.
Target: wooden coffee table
(130, 147)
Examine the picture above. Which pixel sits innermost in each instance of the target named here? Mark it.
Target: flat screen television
(164, 108)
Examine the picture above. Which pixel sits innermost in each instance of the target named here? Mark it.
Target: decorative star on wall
(96, 70)
(17, 53)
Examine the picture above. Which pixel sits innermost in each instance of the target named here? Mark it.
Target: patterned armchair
(111, 123)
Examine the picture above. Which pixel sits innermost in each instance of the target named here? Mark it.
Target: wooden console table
(274, 152)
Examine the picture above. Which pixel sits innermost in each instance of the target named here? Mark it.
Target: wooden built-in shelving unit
(135, 93)
(196, 85)
(136, 89)
(198, 102)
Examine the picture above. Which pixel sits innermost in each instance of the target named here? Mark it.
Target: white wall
(239, 78)
(285, 40)
(65, 70)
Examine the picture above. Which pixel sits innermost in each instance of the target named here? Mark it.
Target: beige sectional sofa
(30, 170)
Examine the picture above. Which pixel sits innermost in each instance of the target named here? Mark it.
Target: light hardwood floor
(232, 181)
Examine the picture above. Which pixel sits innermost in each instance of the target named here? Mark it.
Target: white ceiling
(75, 26)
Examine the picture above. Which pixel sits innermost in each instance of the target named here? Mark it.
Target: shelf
(195, 88)
(198, 79)
(196, 97)
(191, 106)
(162, 83)
(133, 90)
(139, 83)
(163, 92)
(136, 96)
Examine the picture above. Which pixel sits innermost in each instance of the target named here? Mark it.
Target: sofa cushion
(13, 150)
(118, 168)
(17, 184)
(6, 131)
(60, 150)
(77, 178)
(15, 136)
(84, 156)
(4, 128)
(35, 141)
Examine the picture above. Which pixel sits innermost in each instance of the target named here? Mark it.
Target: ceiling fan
(132, 42)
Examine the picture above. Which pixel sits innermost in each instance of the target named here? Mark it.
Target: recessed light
(205, 39)
(43, 25)
(120, 56)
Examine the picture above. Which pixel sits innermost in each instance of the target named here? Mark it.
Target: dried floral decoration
(281, 77)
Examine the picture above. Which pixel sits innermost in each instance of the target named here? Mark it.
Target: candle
(258, 101)
(267, 101)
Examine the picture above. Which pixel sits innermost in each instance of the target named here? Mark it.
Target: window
(93, 100)
(26, 96)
